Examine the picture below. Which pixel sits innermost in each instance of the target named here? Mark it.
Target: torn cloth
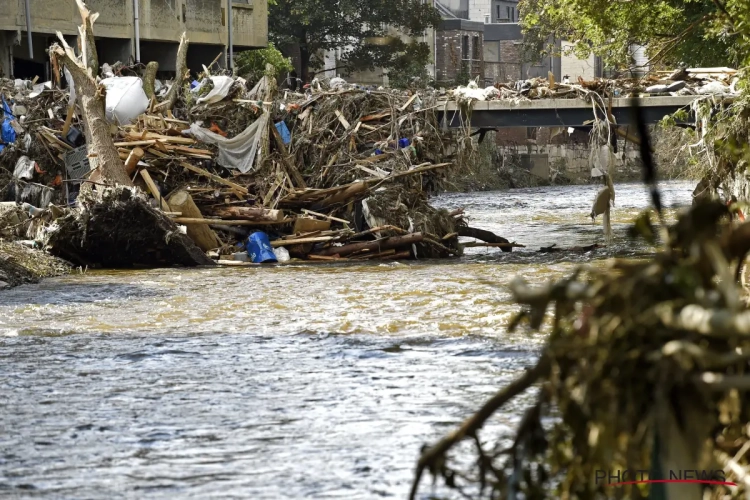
(240, 151)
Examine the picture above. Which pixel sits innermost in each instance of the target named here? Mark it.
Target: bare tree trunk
(86, 39)
(149, 79)
(101, 147)
(174, 91)
(304, 58)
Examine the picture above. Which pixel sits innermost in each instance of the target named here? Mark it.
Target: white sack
(126, 99)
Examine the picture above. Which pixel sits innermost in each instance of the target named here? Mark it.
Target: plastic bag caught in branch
(240, 151)
(222, 85)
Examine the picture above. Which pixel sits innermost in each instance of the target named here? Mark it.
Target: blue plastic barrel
(259, 248)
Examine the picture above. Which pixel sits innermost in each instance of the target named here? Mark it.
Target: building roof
(502, 31)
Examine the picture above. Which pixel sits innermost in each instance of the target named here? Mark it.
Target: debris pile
(334, 173)
(681, 82)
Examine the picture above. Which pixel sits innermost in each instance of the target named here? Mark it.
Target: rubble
(692, 81)
(337, 172)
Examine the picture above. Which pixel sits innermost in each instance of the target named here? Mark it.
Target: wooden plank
(305, 211)
(411, 100)
(342, 119)
(154, 190)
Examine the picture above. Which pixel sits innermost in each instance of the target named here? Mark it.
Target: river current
(300, 381)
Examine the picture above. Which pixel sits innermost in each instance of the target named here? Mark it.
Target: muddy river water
(298, 381)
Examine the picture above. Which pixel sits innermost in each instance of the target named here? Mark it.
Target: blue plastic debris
(259, 248)
(7, 133)
(402, 143)
(286, 137)
(378, 152)
(194, 84)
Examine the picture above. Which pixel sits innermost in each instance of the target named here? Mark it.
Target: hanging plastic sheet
(222, 85)
(240, 151)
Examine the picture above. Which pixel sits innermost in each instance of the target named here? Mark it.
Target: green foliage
(691, 32)
(251, 64)
(317, 25)
(408, 68)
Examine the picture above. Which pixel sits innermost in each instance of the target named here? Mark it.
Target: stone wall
(566, 154)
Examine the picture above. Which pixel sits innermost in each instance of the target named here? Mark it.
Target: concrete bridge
(558, 112)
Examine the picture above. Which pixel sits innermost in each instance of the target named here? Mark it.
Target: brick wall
(448, 55)
(508, 67)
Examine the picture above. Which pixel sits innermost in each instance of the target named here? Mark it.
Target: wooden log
(249, 213)
(300, 241)
(201, 234)
(149, 79)
(220, 222)
(486, 236)
(385, 244)
(352, 190)
(307, 224)
(132, 161)
(400, 255)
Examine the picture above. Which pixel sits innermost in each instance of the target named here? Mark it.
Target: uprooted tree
(91, 96)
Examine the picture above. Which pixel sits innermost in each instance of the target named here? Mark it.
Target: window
(475, 49)
(511, 13)
(499, 16)
(465, 47)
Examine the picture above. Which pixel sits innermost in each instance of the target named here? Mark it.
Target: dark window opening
(465, 47)
(475, 49)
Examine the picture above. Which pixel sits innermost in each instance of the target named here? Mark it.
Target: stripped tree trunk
(101, 147)
(182, 69)
(149, 79)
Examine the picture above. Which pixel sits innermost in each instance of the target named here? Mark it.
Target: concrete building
(160, 22)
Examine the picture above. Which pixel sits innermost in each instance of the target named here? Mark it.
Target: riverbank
(21, 265)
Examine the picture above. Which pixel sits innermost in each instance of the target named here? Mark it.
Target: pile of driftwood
(331, 173)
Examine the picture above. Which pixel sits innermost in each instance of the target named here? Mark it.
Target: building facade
(160, 22)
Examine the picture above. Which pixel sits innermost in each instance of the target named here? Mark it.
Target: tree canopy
(691, 32)
(359, 27)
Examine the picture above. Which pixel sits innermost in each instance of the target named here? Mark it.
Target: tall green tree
(692, 32)
(358, 27)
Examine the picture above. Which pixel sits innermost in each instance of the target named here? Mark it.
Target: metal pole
(137, 22)
(28, 29)
(231, 40)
